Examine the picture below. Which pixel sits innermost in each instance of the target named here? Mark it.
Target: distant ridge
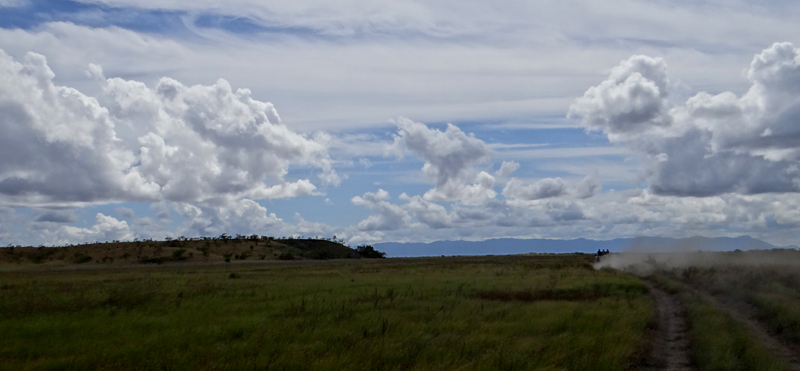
(507, 246)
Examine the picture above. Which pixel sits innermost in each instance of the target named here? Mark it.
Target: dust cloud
(645, 263)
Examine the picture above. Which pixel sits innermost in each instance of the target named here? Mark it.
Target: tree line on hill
(223, 247)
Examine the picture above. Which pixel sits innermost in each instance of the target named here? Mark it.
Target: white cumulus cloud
(429, 213)
(135, 143)
(449, 157)
(106, 228)
(388, 216)
(713, 143)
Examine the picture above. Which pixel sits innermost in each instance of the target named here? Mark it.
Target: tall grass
(721, 343)
(773, 290)
(422, 314)
(718, 341)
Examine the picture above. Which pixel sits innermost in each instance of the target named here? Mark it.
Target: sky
(398, 121)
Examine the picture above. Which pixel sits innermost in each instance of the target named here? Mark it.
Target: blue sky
(398, 121)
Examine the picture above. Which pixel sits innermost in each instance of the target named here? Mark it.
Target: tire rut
(670, 348)
(746, 314)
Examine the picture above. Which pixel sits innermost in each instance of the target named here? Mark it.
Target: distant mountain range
(507, 246)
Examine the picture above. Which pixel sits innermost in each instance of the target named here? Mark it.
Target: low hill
(204, 249)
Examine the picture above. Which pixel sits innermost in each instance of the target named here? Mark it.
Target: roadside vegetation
(773, 289)
(548, 312)
(718, 341)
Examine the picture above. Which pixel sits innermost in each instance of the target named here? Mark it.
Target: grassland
(549, 312)
(772, 290)
(743, 308)
(719, 341)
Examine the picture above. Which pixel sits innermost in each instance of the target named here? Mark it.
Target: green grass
(773, 289)
(780, 312)
(718, 341)
(480, 313)
(721, 343)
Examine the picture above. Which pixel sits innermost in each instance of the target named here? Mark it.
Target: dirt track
(670, 348)
(746, 314)
(671, 342)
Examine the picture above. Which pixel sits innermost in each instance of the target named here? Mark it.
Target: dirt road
(671, 342)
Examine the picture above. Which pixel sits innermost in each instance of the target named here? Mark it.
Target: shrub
(178, 254)
(80, 258)
(41, 255)
(321, 255)
(369, 252)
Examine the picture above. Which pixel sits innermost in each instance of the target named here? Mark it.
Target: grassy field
(767, 281)
(772, 289)
(547, 312)
(718, 341)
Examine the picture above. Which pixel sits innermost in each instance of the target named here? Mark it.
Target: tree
(369, 252)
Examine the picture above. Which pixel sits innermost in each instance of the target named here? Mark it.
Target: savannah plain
(261, 304)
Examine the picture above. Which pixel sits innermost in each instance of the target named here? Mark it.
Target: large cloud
(388, 216)
(429, 213)
(449, 157)
(225, 215)
(135, 143)
(711, 144)
(59, 145)
(633, 99)
(208, 140)
(107, 228)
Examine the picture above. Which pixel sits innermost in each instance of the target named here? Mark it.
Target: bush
(41, 255)
(178, 254)
(321, 255)
(286, 256)
(369, 252)
(80, 258)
